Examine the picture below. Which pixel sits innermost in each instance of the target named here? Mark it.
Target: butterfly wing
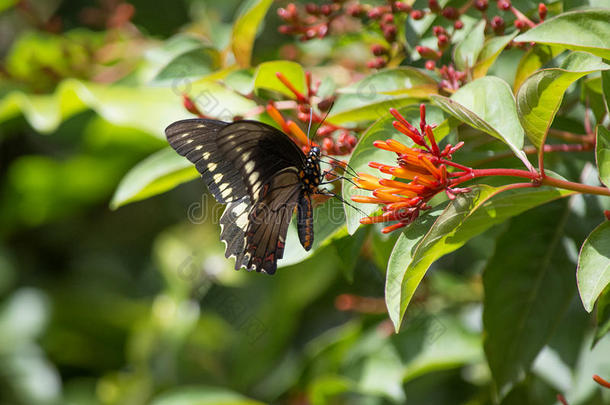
(253, 168)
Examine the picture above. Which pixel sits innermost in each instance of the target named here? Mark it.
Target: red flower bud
(285, 29)
(326, 9)
(458, 25)
(378, 49)
(438, 30)
(389, 33)
(450, 13)
(377, 63)
(427, 53)
(481, 5)
(442, 41)
(434, 6)
(520, 25)
(430, 65)
(497, 24)
(312, 8)
(355, 10)
(403, 7)
(542, 10)
(375, 13)
(387, 18)
(417, 14)
(504, 5)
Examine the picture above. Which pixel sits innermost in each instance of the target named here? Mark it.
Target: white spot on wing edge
(212, 166)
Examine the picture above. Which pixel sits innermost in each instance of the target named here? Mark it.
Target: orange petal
(364, 199)
(298, 132)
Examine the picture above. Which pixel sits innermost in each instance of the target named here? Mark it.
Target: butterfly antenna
(309, 126)
(351, 170)
(324, 117)
(331, 194)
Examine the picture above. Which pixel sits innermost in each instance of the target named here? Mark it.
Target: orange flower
(425, 167)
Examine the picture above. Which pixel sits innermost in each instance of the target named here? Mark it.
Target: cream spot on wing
(184, 135)
(198, 147)
(241, 207)
(242, 221)
(206, 155)
(253, 178)
(217, 177)
(188, 141)
(212, 167)
(249, 167)
(246, 156)
(227, 192)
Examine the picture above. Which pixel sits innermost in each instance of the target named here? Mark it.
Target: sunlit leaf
(490, 52)
(245, 29)
(593, 272)
(488, 105)
(194, 63)
(202, 395)
(154, 175)
(583, 30)
(135, 107)
(466, 53)
(540, 96)
(265, 77)
(437, 233)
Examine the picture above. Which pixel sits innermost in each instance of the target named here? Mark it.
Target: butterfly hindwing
(269, 219)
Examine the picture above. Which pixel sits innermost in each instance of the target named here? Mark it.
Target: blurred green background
(138, 305)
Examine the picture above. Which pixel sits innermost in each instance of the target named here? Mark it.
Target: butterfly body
(261, 175)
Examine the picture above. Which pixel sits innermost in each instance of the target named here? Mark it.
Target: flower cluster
(320, 20)
(420, 174)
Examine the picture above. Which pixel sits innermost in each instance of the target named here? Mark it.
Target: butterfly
(262, 176)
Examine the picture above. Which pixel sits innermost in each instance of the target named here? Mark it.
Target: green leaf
(372, 97)
(150, 109)
(540, 96)
(202, 395)
(602, 154)
(365, 152)
(466, 53)
(606, 89)
(583, 30)
(603, 316)
(532, 60)
(6, 4)
(266, 78)
(593, 273)
(490, 52)
(437, 233)
(488, 105)
(156, 174)
(526, 294)
(245, 29)
(194, 63)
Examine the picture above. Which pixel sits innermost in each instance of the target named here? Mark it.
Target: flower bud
(481, 5)
(389, 33)
(542, 10)
(434, 6)
(417, 14)
(402, 7)
(504, 5)
(378, 49)
(430, 65)
(450, 13)
(427, 53)
(497, 24)
(458, 25)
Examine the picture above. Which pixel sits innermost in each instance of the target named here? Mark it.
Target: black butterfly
(261, 175)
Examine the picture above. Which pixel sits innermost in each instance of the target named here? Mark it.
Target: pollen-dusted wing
(261, 175)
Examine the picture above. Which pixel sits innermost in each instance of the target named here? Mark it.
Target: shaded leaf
(245, 29)
(540, 96)
(603, 316)
(532, 60)
(593, 273)
(194, 63)
(437, 233)
(156, 174)
(589, 30)
(526, 294)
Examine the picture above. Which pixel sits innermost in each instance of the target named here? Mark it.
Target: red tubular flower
(420, 174)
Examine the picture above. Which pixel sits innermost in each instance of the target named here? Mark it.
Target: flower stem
(581, 188)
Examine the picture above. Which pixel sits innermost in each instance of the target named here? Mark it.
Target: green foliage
(114, 287)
